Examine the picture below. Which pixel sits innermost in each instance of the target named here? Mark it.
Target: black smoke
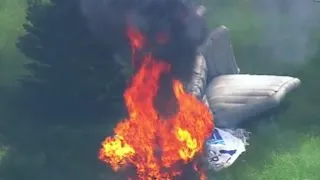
(174, 28)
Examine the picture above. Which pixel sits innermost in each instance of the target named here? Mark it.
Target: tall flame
(155, 147)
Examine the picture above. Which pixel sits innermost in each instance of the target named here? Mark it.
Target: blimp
(233, 96)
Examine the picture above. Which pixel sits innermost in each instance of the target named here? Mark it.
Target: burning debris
(167, 128)
(157, 148)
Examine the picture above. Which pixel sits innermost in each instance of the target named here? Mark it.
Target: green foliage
(55, 153)
(12, 15)
(35, 151)
(3, 152)
(70, 70)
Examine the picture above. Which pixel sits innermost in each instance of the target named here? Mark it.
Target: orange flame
(154, 146)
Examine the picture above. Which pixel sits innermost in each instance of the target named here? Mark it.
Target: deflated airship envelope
(233, 97)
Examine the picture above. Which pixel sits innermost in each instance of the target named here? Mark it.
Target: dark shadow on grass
(38, 151)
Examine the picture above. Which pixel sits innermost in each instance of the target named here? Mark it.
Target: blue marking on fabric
(230, 152)
(216, 138)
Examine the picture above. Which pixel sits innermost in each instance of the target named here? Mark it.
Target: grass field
(288, 149)
(12, 15)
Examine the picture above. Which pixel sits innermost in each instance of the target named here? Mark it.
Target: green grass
(300, 164)
(286, 150)
(277, 153)
(3, 152)
(12, 15)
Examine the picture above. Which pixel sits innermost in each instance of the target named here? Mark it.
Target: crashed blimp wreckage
(233, 97)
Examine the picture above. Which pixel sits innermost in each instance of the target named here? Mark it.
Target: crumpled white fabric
(224, 146)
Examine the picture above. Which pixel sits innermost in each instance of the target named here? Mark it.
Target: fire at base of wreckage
(157, 148)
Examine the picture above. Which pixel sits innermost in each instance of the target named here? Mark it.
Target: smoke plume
(173, 28)
(288, 26)
(269, 36)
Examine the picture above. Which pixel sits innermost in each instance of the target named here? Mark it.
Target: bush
(71, 72)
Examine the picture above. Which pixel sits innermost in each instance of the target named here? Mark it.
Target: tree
(71, 72)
